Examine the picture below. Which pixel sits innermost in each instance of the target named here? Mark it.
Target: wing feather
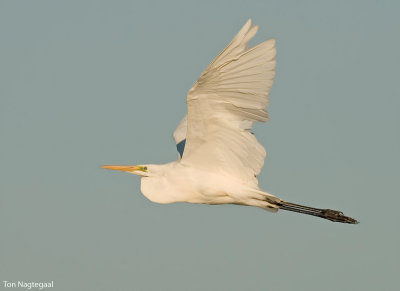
(230, 95)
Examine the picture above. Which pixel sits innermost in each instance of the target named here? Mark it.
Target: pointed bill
(122, 168)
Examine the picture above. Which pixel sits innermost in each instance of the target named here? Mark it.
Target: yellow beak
(122, 168)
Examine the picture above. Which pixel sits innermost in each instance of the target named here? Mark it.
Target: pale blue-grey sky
(86, 83)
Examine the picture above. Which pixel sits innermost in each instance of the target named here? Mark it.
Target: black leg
(332, 215)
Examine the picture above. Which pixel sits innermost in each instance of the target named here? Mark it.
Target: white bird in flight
(219, 158)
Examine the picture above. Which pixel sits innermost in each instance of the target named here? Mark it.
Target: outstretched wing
(230, 95)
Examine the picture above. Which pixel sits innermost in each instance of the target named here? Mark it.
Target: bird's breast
(188, 185)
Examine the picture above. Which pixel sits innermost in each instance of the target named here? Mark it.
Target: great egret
(219, 158)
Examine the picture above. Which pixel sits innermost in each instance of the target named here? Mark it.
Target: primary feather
(230, 95)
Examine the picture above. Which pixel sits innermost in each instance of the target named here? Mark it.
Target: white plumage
(224, 102)
(221, 157)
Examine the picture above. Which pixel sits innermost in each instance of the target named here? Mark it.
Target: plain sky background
(86, 83)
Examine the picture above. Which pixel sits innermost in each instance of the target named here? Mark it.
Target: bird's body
(178, 182)
(219, 158)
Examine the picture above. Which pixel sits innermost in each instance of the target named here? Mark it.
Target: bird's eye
(145, 168)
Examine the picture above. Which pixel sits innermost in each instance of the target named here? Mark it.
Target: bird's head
(140, 170)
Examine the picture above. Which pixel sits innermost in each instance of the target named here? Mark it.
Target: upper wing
(230, 95)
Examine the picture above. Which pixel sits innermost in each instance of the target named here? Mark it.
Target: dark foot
(337, 216)
(332, 215)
